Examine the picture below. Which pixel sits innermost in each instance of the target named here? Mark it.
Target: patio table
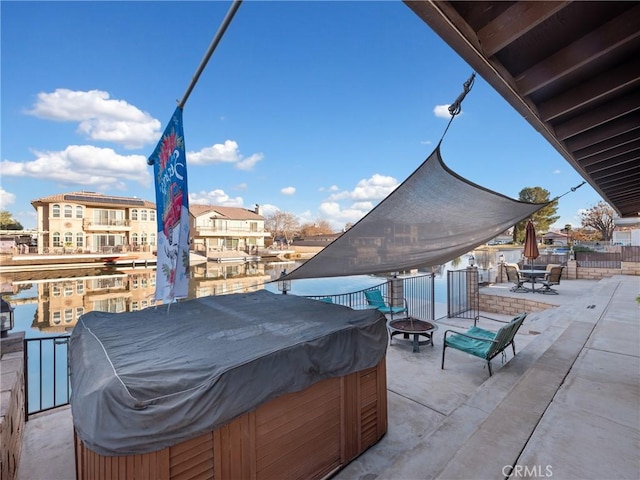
(532, 275)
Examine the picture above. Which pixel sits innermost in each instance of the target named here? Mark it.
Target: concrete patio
(566, 406)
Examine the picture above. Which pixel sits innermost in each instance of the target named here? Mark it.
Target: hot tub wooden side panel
(302, 435)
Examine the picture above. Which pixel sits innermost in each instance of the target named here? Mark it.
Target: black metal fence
(46, 373)
(463, 294)
(418, 291)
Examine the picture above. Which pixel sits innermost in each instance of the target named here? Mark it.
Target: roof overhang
(571, 69)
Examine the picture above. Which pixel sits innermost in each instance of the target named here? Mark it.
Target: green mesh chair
(483, 343)
(375, 299)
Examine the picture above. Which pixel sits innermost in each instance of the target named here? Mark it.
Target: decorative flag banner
(172, 205)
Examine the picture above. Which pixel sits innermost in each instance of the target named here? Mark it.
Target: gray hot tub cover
(143, 381)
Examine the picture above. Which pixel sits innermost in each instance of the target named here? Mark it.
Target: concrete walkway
(567, 406)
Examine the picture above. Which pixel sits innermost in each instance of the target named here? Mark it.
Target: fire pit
(412, 326)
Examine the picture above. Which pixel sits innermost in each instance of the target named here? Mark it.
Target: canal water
(48, 303)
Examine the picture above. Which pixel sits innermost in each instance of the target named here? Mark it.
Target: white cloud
(268, 209)
(288, 190)
(84, 165)
(100, 117)
(370, 189)
(227, 152)
(338, 216)
(557, 171)
(442, 111)
(215, 197)
(6, 198)
(332, 188)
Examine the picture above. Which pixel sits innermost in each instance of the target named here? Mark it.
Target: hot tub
(253, 385)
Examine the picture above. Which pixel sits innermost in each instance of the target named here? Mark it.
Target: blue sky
(315, 108)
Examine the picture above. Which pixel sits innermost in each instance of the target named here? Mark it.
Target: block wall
(12, 405)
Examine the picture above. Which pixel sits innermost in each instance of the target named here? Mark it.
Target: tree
(600, 218)
(283, 225)
(7, 222)
(542, 218)
(319, 227)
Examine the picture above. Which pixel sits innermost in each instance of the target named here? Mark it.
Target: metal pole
(214, 43)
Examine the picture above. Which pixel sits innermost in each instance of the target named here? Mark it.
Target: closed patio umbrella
(531, 247)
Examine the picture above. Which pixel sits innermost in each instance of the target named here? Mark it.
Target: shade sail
(434, 216)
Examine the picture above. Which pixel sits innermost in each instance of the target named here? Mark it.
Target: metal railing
(46, 374)
(353, 299)
(418, 291)
(463, 294)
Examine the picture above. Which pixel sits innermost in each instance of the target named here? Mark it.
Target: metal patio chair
(552, 278)
(513, 276)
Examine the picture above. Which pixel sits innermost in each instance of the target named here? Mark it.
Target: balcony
(106, 226)
(228, 232)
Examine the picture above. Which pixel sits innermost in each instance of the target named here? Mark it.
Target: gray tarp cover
(143, 381)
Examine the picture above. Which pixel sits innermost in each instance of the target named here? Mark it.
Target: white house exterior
(215, 228)
(626, 232)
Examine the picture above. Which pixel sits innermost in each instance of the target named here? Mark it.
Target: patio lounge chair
(375, 299)
(513, 276)
(552, 278)
(483, 343)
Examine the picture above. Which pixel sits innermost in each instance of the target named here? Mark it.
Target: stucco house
(90, 222)
(218, 228)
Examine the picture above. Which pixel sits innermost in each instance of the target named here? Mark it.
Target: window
(56, 318)
(134, 239)
(79, 213)
(68, 211)
(55, 210)
(143, 239)
(79, 312)
(80, 239)
(80, 287)
(56, 239)
(143, 282)
(152, 239)
(134, 306)
(134, 214)
(68, 290)
(253, 226)
(68, 239)
(134, 282)
(143, 215)
(68, 315)
(152, 215)
(55, 290)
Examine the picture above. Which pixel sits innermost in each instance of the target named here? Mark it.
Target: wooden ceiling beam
(614, 34)
(592, 92)
(618, 163)
(617, 108)
(603, 147)
(513, 23)
(612, 154)
(615, 128)
(607, 176)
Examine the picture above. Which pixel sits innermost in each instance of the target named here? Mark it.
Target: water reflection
(50, 302)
